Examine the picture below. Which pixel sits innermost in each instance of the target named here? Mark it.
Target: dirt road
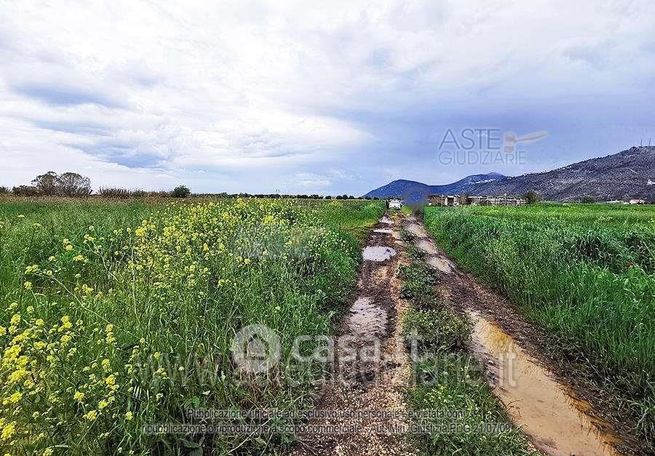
(554, 417)
(376, 377)
(550, 412)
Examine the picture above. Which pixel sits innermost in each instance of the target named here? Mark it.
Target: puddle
(378, 253)
(366, 320)
(427, 246)
(416, 229)
(535, 401)
(442, 264)
(386, 220)
(383, 231)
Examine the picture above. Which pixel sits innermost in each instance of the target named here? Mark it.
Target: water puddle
(536, 402)
(427, 246)
(383, 231)
(378, 253)
(366, 320)
(416, 229)
(442, 264)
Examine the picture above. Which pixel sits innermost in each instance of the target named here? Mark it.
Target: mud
(378, 253)
(426, 246)
(423, 242)
(366, 320)
(440, 263)
(549, 410)
(546, 410)
(363, 384)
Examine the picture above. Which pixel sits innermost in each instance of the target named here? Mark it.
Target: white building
(394, 204)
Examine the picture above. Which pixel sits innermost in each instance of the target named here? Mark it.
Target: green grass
(118, 314)
(584, 272)
(448, 379)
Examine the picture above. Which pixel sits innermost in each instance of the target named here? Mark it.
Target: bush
(181, 191)
(4, 190)
(121, 193)
(113, 192)
(532, 197)
(25, 190)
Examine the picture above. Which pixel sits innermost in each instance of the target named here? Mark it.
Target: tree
(73, 185)
(181, 191)
(532, 197)
(46, 184)
(3, 190)
(588, 199)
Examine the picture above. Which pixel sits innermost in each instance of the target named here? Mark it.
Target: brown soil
(503, 324)
(361, 385)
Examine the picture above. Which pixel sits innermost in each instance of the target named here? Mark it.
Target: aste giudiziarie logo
(485, 146)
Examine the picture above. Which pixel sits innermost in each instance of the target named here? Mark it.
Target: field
(583, 272)
(119, 314)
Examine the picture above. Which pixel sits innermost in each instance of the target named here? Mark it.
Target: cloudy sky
(325, 97)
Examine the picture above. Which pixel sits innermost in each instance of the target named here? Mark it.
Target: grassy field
(118, 314)
(584, 272)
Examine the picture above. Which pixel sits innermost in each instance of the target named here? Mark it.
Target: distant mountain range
(628, 174)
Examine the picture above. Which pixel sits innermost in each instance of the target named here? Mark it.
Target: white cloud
(154, 91)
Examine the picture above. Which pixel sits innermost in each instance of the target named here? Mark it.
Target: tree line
(74, 185)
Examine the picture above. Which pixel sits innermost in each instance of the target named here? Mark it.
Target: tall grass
(583, 272)
(117, 315)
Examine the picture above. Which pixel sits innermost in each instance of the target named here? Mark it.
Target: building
(458, 200)
(445, 200)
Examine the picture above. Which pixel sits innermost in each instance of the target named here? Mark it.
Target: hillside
(416, 191)
(625, 175)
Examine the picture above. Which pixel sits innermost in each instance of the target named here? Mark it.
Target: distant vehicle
(394, 204)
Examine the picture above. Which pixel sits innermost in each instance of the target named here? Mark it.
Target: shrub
(532, 197)
(181, 191)
(25, 190)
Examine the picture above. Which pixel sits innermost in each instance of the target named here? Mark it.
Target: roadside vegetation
(114, 315)
(584, 273)
(449, 382)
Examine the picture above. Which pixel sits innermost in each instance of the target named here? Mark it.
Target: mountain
(628, 174)
(625, 175)
(417, 191)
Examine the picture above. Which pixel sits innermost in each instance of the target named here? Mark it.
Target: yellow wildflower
(8, 431)
(91, 415)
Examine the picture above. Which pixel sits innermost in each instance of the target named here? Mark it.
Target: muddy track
(364, 383)
(543, 397)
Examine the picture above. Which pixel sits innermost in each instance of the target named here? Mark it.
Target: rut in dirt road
(545, 409)
(375, 379)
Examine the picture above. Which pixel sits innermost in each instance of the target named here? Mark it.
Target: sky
(318, 97)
